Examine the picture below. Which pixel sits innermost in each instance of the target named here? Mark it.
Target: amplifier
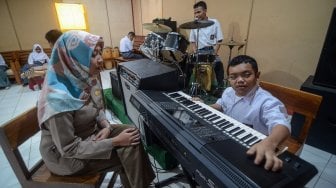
(322, 132)
(144, 74)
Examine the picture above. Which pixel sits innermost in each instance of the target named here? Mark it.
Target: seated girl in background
(4, 82)
(36, 67)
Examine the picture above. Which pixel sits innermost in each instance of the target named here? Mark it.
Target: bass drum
(204, 75)
(174, 47)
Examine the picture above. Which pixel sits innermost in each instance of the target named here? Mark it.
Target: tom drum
(152, 45)
(174, 47)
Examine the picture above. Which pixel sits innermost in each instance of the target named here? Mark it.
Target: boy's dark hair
(243, 59)
(131, 33)
(200, 4)
(52, 35)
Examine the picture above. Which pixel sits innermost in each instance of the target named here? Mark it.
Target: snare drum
(202, 58)
(174, 47)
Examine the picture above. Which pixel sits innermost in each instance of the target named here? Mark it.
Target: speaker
(323, 131)
(144, 74)
(325, 74)
(116, 89)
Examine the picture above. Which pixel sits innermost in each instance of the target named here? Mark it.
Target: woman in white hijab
(36, 67)
(37, 57)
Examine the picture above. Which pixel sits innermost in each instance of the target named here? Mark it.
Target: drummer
(208, 40)
(126, 47)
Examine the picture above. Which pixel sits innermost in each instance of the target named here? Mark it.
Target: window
(71, 16)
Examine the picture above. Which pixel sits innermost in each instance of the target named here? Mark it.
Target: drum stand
(231, 43)
(157, 51)
(155, 47)
(196, 89)
(175, 62)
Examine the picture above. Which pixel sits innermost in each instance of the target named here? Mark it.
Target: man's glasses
(244, 75)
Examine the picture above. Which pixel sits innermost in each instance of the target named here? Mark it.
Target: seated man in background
(126, 47)
(4, 82)
(253, 106)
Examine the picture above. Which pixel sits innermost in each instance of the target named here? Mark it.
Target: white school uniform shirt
(126, 45)
(34, 56)
(258, 109)
(208, 36)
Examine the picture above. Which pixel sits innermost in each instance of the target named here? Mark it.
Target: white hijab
(35, 56)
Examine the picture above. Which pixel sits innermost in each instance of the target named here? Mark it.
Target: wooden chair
(296, 101)
(15, 132)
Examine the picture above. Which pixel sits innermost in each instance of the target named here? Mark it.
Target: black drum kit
(173, 48)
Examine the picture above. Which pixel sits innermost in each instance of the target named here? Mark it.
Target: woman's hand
(102, 134)
(128, 137)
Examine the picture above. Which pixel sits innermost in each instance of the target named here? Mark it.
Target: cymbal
(196, 24)
(232, 43)
(157, 28)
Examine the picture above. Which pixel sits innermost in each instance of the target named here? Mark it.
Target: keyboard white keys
(242, 135)
(229, 126)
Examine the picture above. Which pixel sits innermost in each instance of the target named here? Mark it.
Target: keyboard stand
(175, 178)
(170, 180)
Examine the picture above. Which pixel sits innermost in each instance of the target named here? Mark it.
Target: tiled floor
(18, 99)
